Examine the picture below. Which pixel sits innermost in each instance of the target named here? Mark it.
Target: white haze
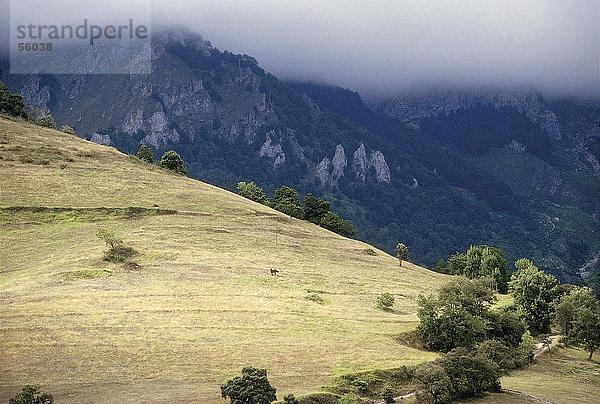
(383, 47)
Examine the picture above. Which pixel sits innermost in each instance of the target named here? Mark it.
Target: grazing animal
(274, 272)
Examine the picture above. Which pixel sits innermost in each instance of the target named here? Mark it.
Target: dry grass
(203, 304)
(561, 376)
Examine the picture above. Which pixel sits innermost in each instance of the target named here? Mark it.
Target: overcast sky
(382, 47)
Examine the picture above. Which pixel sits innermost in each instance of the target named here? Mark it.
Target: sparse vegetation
(205, 283)
(349, 398)
(252, 387)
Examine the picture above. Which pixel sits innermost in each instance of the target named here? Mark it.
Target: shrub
(385, 301)
(332, 221)
(145, 153)
(11, 104)
(117, 252)
(456, 375)
(47, 121)
(349, 398)
(313, 297)
(250, 190)
(434, 384)
(388, 396)
(251, 387)
(67, 129)
(173, 161)
(505, 357)
(31, 395)
(290, 399)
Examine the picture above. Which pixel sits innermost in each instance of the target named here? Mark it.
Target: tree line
(313, 209)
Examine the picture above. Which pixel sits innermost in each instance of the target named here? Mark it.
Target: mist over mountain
(382, 48)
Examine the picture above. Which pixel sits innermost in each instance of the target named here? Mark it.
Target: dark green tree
(315, 208)
(252, 191)
(505, 357)
(477, 262)
(145, 153)
(569, 305)
(470, 373)
(252, 387)
(11, 104)
(435, 386)
(457, 375)
(332, 221)
(534, 292)
(286, 199)
(586, 329)
(506, 326)
(173, 161)
(31, 395)
(457, 316)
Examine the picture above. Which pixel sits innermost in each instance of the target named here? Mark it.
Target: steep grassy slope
(203, 304)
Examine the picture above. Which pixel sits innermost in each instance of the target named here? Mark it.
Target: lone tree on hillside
(145, 153)
(252, 387)
(401, 252)
(173, 161)
(31, 395)
(250, 190)
(117, 252)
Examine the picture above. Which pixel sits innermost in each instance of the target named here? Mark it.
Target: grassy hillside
(562, 376)
(203, 304)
